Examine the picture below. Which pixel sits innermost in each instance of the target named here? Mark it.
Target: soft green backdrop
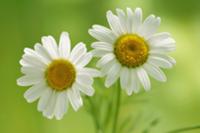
(22, 23)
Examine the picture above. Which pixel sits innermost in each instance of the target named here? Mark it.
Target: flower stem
(94, 115)
(185, 129)
(117, 107)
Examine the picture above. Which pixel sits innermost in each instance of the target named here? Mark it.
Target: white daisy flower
(131, 50)
(57, 75)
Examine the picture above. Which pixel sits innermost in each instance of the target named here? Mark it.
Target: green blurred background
(22, 23)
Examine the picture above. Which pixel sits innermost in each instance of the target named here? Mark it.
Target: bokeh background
(175, 103)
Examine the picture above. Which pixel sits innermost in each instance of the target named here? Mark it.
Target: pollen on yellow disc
(131, 50)
(60, 74)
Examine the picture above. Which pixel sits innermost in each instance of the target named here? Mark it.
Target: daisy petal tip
(98, 74)
(128, 8)
(107, 85)
(20, 82)
(147, 89)
(136, 92)
(82, 43)
(93, 26)
(93, 45)
(44, 38)
(65, 33)
(129, 93)
(39, 109)
(48, 116)
(92, 93)
(159, 19)
(101, 75)
(164, 80)
(21, 62)
(91, 32)
(138, 10)
(26, 50)
(28, 100)
(173, 62)
(76, 109)
(26, 97)
(119, 10)
(93, 52)
(58, 117)
(90, 55)
(108, 13)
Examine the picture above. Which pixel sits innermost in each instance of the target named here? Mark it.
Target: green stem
(185, 129)
(116, 113)
(94, 116)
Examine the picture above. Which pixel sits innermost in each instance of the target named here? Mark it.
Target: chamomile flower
(132, 50)
(57, 75)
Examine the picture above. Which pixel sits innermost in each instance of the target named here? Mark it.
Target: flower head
(132, 50)
(57, 75)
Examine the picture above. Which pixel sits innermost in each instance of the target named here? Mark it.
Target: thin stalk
(117, 107)
(94, 116)
(185, 129)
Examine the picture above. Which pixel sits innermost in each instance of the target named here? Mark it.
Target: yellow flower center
(60, 74)
(131, 50)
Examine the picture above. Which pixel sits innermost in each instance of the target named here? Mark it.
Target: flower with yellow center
(57, 75)
(131, 50)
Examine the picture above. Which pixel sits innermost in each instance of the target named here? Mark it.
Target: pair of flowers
(130, 51)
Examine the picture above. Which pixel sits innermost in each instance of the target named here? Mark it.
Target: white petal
(84, 79)
(50, 45)
(61, 105)
(42, 52)
(106, 68)
(75, 98)
(158, 37)
(134, 81)
(102, 46)
(32, 61)
(166, 57)
(124, 78)
(32, 71)
(31, 53)
(144, 78)
(105, 59)
(123, 20)
(155, 72)
(137, 20)
(105, 30)
(162, 50)
(77, 52)
(64, 45)
(44, 99)
(88, 90)
(114, 23)
(128, 89)
(90, 71)
(158, 61)
(35, 92)
(99, 53)
(49, 110)
(168, 42)
(84, 60)
(129, 20)
(25, 64)
(149, 26)
(113, 75)
(28, 80)
(166, 45)
(102, 34)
